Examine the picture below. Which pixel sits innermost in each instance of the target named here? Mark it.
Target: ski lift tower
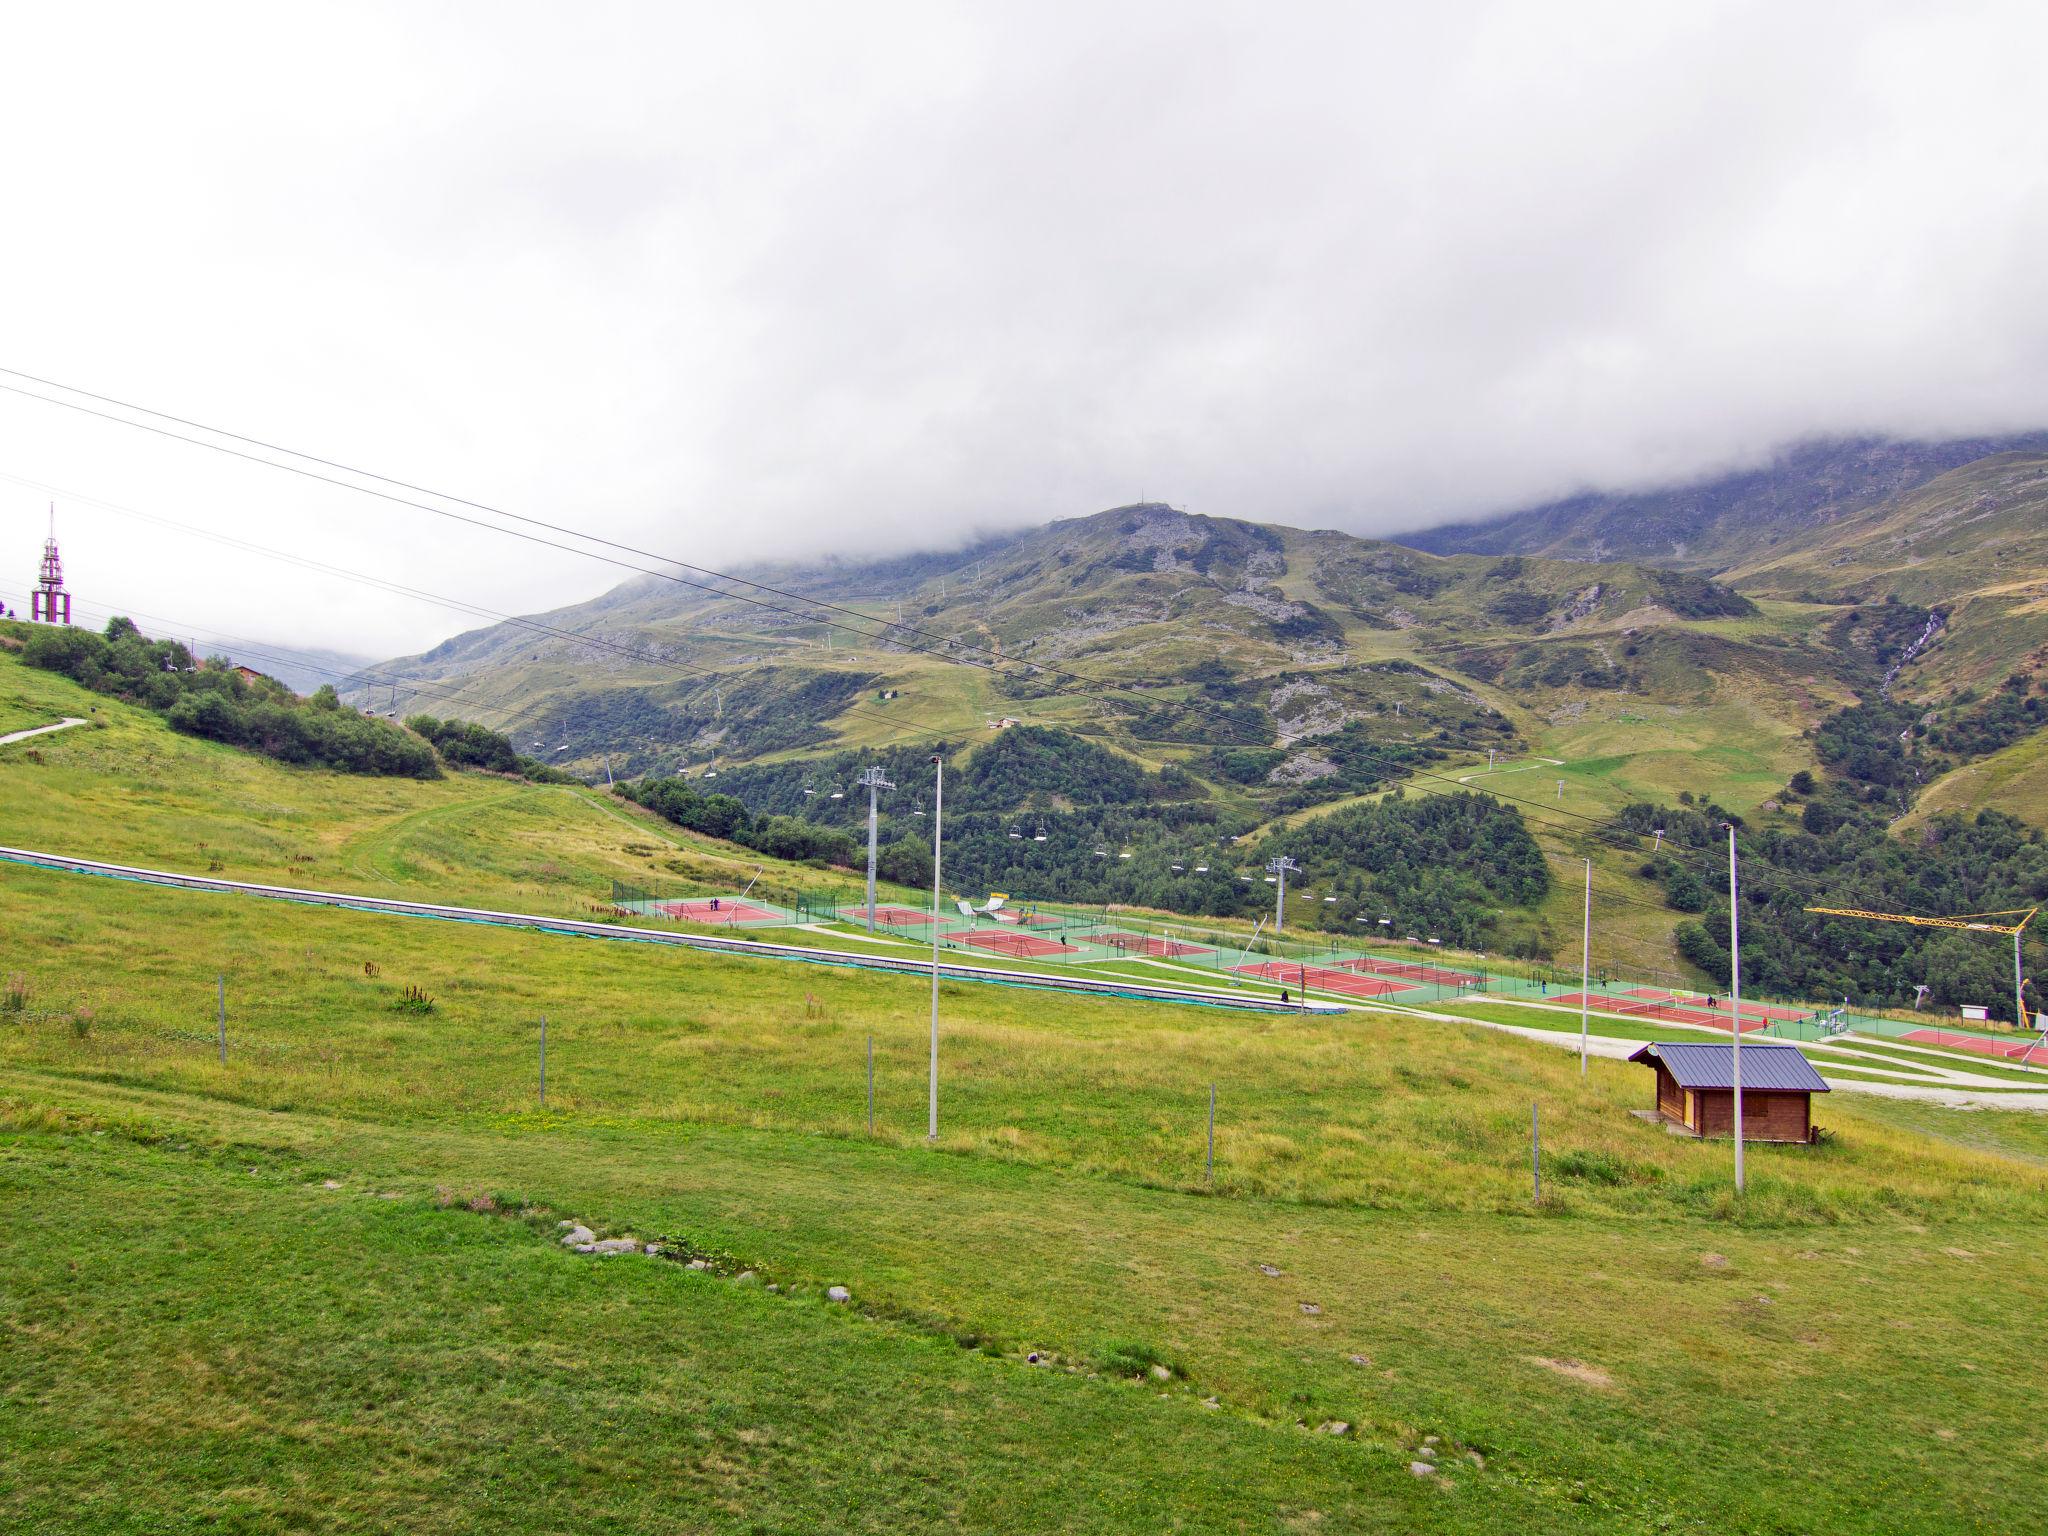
(49, 603)
(1283, 867)
(873, 782)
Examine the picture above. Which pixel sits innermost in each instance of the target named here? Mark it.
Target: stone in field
(1421, 1469)
(578, 1235)
(838, 1293)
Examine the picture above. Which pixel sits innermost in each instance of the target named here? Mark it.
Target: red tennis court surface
(1749, 1010)
(894, 917)
(1410, 971)
(729, 911)
(1321, 978)
(1041, 919)
(1020, 946)
(2010, 1049)
(1668, 1013)
(1146, 944)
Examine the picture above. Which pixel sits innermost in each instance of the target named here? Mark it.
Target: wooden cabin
(1696, 1088)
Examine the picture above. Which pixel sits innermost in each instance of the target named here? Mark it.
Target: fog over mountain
(810, 280)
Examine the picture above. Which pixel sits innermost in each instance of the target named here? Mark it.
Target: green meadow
(319, 1287)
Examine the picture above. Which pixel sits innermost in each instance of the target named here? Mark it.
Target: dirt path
(40, 730)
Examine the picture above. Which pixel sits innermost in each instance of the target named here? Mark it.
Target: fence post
(1209, 1163)
(871, 1085)
(543, 1061)
(1535, 1154)
(221, 1015)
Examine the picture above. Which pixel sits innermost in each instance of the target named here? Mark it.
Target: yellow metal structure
(1972, 921)
(1969, 922)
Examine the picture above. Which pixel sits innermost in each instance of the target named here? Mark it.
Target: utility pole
(875, 782)
(1281, 866)
(1735, 996)
(938, 833)
(1585, 969)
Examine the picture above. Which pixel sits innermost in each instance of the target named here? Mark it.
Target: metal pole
(1735, 997)
(543, 1061)
(1209, 1163)
(221, 1014)
(1586, 970)
(871, 1082)
(1280, 901)
(938, 834)
(873, 791)
(2019, 986)
(1535, 1153)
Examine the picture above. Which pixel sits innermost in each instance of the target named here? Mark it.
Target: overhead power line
(1097, 687)
(888, 627)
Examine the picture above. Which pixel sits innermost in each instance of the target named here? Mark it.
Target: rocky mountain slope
(1729, 520)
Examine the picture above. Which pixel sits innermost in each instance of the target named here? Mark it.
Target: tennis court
(1410, 971)
(1667, 1011)
(2010, 1050)
(1147, 944)
(719, 909)
(1320, 978)
(1018, 946)
(892, 917)
(1749, 1010)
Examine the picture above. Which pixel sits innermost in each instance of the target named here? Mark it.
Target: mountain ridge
(1717, 521)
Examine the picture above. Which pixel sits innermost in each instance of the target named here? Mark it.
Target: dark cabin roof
(1766, 1068)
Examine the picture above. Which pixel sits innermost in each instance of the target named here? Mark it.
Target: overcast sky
(744, 281)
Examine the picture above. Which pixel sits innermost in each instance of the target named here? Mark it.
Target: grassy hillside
(323, 1280)
(2014, 780)
(126, 789)
(1972, 543)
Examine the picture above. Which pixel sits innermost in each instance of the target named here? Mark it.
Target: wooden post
(1535, 1153)
(1209, 1164)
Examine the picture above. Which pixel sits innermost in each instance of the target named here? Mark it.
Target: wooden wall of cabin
(1765, 1116)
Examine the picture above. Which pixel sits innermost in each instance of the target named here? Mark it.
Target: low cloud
(827, 280)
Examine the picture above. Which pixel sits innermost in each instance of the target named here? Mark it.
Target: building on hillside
(1696, 1089)
(49, 603)
(248, 674)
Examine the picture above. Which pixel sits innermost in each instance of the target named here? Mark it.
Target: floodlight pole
(1735, 996)
(1586, 971)
(874, 781)
(1280, 867)
(2019, 984)
(938, 834)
